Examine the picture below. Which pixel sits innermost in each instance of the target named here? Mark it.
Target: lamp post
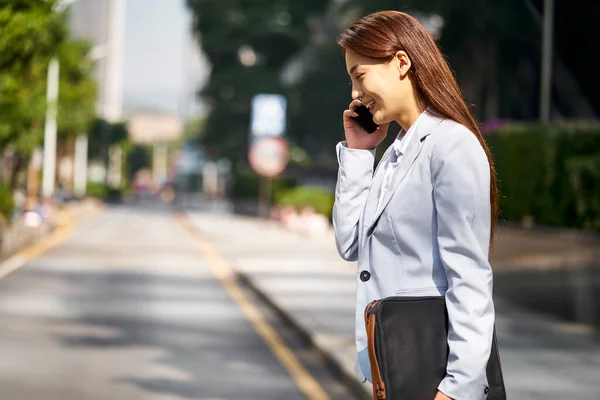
(111, 107)
(81, 143)
(49, 166)
(50, 126)
(113, 85)
(546, 82)
(547, 23)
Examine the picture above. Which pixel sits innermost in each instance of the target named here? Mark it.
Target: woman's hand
(357, 137)
(441, 396)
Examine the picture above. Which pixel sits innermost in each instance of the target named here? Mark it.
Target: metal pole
(81, 166)
(265, 194)
(49, 168)
(114, 61)
(160, 163)
(115, 156)
(113, 80)
(546, 82)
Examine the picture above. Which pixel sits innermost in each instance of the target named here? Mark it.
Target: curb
(33, 235)
(39, 244)
(348, 378)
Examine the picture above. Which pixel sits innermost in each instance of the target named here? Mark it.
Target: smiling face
(384, 86)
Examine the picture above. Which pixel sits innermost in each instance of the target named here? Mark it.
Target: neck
(409, 116)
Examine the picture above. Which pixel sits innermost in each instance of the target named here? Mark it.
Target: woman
(421, 224)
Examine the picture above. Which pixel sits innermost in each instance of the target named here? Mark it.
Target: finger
(355, 103)
(350, 113)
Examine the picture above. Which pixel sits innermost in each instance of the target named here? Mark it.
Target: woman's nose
(357, 94)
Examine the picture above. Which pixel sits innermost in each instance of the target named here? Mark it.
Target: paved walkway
(306, 279)
(127, 308)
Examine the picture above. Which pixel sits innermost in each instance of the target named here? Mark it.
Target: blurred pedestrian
(422, 223)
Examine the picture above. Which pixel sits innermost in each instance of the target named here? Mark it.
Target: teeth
(370, 104)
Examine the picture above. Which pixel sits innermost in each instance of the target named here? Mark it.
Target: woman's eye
(358, 77)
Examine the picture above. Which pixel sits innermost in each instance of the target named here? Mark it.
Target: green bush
(246, 184)
(550, 173)
(114, 195)
(97, 190)
(101, 191)
(321, 200)
(7, 203)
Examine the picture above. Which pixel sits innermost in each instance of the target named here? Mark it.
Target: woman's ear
(403, 63)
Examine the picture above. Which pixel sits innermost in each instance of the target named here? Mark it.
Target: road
(131, 305)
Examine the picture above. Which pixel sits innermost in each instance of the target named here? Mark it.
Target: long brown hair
(381, 35)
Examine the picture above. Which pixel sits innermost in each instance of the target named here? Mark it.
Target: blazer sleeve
(461, 191)
(355, 174)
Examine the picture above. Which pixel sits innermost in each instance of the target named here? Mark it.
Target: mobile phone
(365, 119)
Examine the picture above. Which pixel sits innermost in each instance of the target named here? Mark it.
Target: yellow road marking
(224, 273)
(37, 249)
(57, 237)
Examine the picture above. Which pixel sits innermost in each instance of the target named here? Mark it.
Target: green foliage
(493, 48)
(31, 32)
(98, 190)
(193, 129)
(275, 30)
(246, 184)
(321, 200)
(550, 173)
(104, 134)
(31, 35)
(115, 195)
(7, 203)
(138, 157)
(77, 89)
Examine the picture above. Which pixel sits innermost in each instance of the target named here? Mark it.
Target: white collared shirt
(399, 148)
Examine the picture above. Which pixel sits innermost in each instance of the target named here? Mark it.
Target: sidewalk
(18, 235)
(306, 280)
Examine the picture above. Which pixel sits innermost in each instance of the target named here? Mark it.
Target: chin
(378, 118)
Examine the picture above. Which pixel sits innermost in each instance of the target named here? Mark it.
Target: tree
(266, 35)
(77, 93)
(493, 48)
(31, 35)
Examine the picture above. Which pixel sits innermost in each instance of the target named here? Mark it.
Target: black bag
(408, 349)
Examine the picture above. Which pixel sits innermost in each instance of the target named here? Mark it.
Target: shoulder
(454, 141)
(449, 133)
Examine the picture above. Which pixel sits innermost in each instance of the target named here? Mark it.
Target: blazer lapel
(426, 125)
(378, 175)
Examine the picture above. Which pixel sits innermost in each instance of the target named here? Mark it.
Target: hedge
(7, 203)
(246, 184)
(549, 173)
(321, 200)
(101, 191)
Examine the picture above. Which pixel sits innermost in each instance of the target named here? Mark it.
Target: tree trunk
(15, 173)
(33, 178)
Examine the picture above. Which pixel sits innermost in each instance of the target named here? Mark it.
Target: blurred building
(89, 20)
(158, 64)
(102, 23)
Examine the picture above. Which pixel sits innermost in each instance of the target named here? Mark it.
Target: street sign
(269, 156)
(268, 115)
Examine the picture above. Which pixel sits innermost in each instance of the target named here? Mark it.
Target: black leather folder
(408, 349)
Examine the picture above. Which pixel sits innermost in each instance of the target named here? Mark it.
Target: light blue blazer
(430, 237)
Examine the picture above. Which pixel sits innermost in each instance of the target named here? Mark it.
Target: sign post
(268, 157)
(268, 154)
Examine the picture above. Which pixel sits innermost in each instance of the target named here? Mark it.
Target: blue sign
(268, 115)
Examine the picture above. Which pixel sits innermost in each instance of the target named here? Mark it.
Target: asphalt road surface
(130, 305)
